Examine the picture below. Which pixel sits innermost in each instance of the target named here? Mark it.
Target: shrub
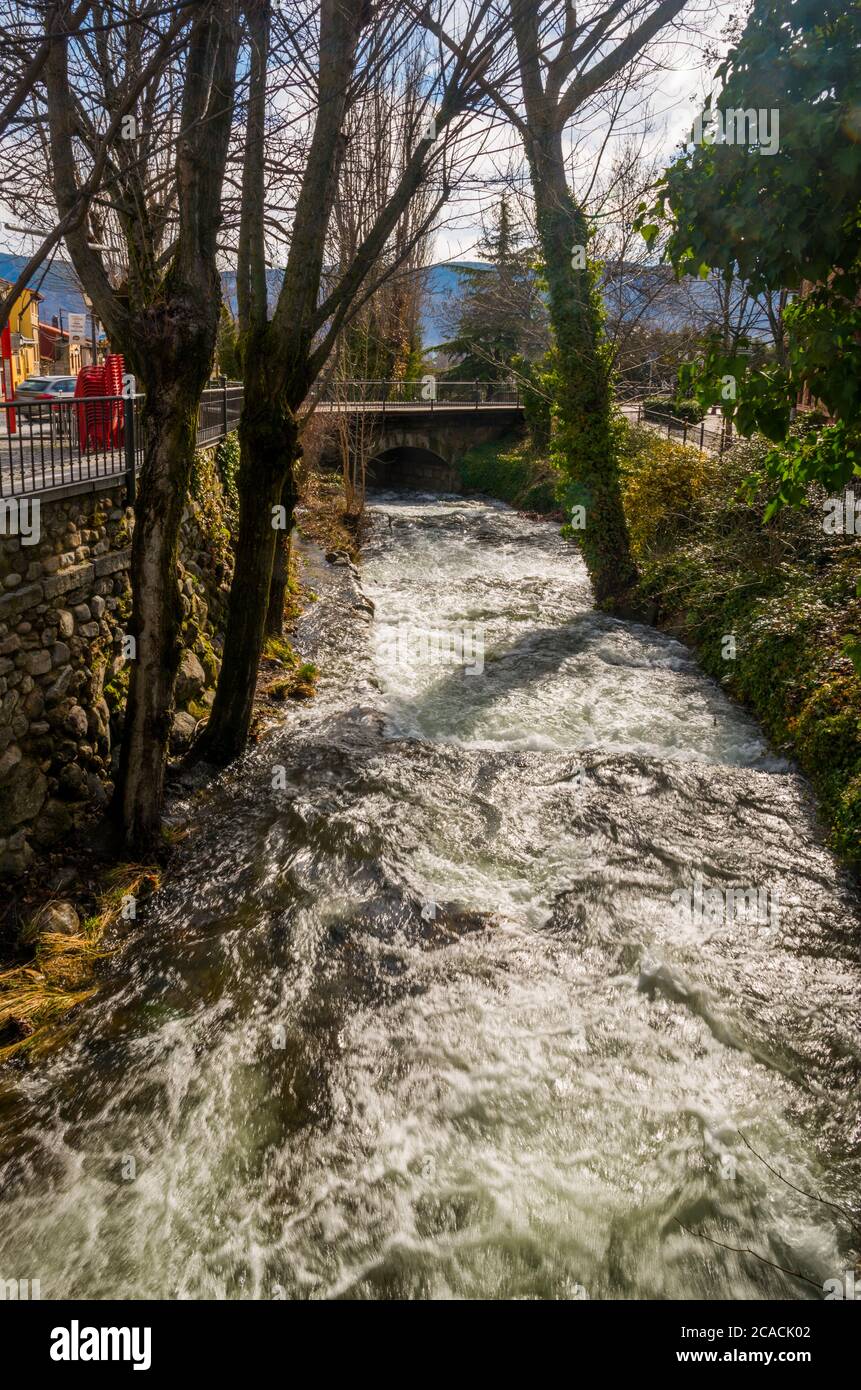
(659, 407)
(690, 411)
(662, 485)
(787, 592)
(510, 470)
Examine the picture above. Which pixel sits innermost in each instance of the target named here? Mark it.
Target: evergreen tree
(227, 346)
(500, 313)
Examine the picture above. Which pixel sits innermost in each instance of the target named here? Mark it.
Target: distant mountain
(442, 285)
(57, 283)
(440, 282)
(274, 278)
(649, 292)
(651, 296)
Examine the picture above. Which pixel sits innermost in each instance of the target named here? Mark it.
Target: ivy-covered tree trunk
(164, 320)
(170, 428)
(585, 404)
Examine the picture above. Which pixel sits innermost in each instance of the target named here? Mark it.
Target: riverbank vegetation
(779, 209)
(772, 608)
(516, 471)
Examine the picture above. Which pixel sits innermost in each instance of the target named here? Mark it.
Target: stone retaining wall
(65, 603)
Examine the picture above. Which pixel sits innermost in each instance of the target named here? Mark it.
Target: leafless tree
(284, 354)
(156, 193)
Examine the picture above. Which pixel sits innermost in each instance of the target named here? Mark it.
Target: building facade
(19, 341)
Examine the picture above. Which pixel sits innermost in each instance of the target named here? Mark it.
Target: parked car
(47, 392)
(45, 388)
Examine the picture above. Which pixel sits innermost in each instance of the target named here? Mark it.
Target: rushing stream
(471, 981)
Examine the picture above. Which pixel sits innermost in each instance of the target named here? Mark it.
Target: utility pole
(88, 303)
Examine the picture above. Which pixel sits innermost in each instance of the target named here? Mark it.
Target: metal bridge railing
(709, 439)
(47, 445)
(427, 394)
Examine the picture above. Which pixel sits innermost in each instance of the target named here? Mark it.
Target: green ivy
(788, 219)
(786, 591)
(512, 471)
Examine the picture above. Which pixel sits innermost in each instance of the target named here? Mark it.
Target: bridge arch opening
(411, 468)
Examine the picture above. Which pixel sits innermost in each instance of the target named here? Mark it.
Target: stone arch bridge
(413, 442)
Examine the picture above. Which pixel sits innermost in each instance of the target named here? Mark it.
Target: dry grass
(323, 516)
(36, 997)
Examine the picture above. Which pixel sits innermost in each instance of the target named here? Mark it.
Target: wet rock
(36, 663)
(191, 679)
(55, 821)
(23, 793)
(58, 918)
(57, 690)
(10, 759)
(443, 923)
(76, 722)
(98, 720)
(72, 782)
(62, 877)
(182, 731)
(33, 704)
(96, 790)
(17, 857)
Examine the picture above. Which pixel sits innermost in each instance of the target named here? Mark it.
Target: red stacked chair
(90, 382)
(114, 370)
(100, 424)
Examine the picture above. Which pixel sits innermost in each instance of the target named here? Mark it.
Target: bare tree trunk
(276, 366)
(165, 322)
(281, 561)
(170, 422)
(283, 356)
(268, 443)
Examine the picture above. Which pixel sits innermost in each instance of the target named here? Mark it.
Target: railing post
(702, 435)
(224, 406)
(129, 447)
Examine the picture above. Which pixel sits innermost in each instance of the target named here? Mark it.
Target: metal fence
(48, 445)
(708, 438)
(220, 409)
(427, 394)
